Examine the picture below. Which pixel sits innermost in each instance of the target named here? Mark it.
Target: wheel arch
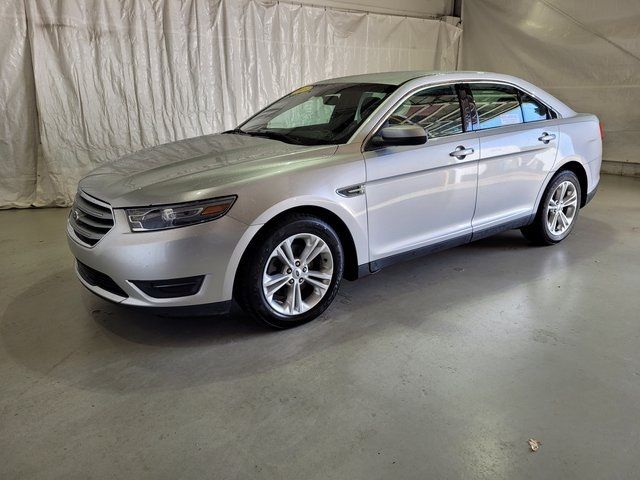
(334, 220)
(331, 217)
(581, 172)
(573, 166)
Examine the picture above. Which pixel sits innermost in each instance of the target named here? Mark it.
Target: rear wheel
(291, 273)
(557, 212)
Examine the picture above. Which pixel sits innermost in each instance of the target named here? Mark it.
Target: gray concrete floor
(442, 367)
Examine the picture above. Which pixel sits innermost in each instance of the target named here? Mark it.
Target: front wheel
(558, 211)
(291, 272)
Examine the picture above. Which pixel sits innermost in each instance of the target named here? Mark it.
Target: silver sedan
(335, 180)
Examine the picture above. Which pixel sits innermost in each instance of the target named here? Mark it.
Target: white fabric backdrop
(586, 52)
(18, 119)
(114, 77)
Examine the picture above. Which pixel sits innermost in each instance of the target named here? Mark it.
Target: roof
(387, 78)
(398, 78)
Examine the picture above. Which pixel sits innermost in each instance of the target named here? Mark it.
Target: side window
(497, 105)
(437, 110)
(532, 110)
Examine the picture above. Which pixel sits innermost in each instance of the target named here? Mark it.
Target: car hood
(193, 169)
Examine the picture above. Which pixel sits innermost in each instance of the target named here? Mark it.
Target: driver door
(421, 198)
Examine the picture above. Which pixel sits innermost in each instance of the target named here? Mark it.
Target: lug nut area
(297, 273)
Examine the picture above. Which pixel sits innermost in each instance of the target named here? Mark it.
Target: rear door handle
(460, 152)
(546, 137)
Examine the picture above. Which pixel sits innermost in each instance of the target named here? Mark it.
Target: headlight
(179, 215)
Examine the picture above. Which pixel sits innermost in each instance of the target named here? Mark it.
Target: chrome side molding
(351, 191)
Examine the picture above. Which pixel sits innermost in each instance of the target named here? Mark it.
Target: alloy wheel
(562, 208)
(297, 274)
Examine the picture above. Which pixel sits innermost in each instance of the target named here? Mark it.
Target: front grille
(99, 279)
(90, 218)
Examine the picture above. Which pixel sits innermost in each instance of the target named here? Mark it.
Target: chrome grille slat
(85, 232)
(92, 223)
(90, 219)
(93, 210)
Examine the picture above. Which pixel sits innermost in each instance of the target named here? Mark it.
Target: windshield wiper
(264, 133)
(282, 137)
(236, 131)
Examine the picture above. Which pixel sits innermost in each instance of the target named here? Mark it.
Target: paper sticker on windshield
(304, 89)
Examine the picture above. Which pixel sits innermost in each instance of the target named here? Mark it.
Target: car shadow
(58, 330)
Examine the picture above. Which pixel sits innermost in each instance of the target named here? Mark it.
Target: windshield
(322, 114)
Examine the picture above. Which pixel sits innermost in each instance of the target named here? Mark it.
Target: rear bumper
(591, 194)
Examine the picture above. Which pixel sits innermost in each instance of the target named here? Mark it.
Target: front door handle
(460, 152)
(546, 137)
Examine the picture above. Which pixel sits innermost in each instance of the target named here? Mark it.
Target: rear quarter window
(497, 105)
(532, 109)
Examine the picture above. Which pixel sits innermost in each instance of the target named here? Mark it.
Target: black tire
(539, 232)
(248, 289)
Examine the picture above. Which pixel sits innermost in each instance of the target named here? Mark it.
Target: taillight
(602, 130)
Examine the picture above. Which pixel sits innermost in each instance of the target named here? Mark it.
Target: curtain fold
(115, 77)
(582, 51)
(18, 117)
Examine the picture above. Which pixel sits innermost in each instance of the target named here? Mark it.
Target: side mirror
(397, 135)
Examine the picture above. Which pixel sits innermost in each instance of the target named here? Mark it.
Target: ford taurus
(336, 180)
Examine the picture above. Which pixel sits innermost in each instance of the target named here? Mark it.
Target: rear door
(518, 145)
(418, 196)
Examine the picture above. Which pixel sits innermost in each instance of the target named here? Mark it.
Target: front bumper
(210, 251)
